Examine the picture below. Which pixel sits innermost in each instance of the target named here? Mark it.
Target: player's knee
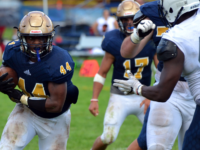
(109, 136)
(9, 146)
(161, 117)
(156, 147)
(13, 136)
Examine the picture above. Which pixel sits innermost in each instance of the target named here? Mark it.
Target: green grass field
(85, 128)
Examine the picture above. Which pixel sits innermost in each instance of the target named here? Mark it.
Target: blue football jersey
(57, 67)
(151, 11)
(140, 65)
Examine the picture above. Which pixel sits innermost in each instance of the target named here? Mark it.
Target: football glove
(143, 29)
(126, 90)
(15, 95)
(5, 85)
(131, 86)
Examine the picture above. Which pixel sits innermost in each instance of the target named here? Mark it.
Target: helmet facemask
(126, 11)
(162, 13)
(126, 26)
(36, 32)
(39, 50)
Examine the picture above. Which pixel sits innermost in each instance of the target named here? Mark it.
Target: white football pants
(169, 119)
(23, 125)
(119, 107)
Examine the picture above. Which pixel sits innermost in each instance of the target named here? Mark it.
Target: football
(11, 74)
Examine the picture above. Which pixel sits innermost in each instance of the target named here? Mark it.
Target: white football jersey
(186, 36)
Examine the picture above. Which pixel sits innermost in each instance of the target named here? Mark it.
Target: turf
(85, 128)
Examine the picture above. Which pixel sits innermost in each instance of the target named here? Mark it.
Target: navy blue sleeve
(10, 51)
(61, 66)
(150, 9)
(109, 43)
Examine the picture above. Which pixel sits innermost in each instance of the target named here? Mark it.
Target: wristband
(135, 38)
(94, 100)
(99, 78)
(24, 100)
(37, 103)
(139, 90)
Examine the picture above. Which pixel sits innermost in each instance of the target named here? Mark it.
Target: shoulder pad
(150, 9)
(166, 50)
(107, 37)
(13, 44)
(138, 17)
(106, 41)
(112, 42)
(63, 69)
(10, 50)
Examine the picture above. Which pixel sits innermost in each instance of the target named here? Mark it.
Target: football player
(174, 51)
(121, 104)
(44, 72)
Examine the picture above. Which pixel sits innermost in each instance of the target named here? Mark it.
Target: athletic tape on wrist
(134, 37)
(139, 90)
(24, 99)
(99, 78)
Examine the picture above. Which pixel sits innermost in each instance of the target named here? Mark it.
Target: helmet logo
(36, 31)
(194, 6)
(128, 13)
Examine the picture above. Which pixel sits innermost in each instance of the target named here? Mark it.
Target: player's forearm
(156, 93)
(42, 104)
(97, 87)
(99, 80)
(128, 48)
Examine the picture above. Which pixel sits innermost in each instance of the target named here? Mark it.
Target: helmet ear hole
(174, 9)
(171, 10)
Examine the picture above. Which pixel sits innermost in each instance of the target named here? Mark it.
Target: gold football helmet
(36, 25)
(126, 9)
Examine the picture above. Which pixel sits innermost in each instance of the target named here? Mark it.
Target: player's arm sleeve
(9, 53)
(52, 104)
(62, 71)
(64, 78)
(108, 45)
(139, 16)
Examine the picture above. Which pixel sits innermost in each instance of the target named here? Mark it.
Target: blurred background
(79, 21)
(82, 26)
